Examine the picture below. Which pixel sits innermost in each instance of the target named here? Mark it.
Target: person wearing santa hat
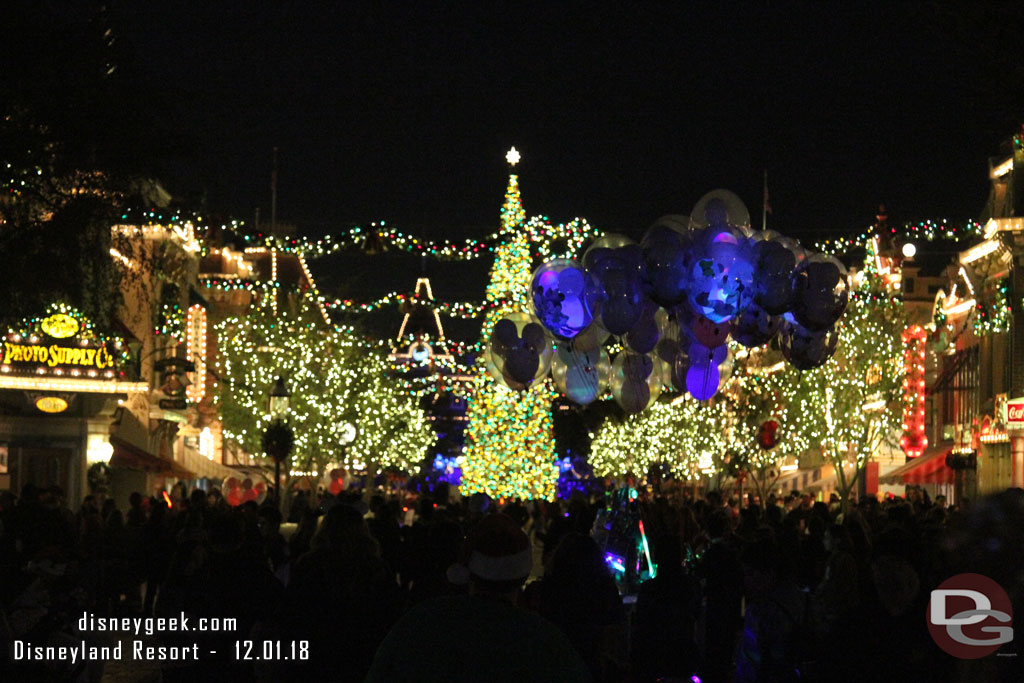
(482, 635)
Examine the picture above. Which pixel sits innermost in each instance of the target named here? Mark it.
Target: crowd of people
(471, 589)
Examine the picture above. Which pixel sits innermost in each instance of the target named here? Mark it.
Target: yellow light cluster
(334, 377)
(195, 351)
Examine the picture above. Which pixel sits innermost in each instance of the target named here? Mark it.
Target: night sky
(622, 114)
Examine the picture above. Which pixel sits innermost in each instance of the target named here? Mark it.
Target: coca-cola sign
(1015, 413)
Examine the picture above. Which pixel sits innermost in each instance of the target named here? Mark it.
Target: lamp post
(278, 439)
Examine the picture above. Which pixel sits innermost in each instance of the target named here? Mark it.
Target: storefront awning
(131, 457)
(204, 467)
(928, 468)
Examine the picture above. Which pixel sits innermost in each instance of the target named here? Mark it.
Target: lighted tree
(334, 378)
(852, 406)
(683, 435)
(510, 447)
(761, 389)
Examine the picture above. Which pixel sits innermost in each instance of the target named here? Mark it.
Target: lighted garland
(334, 377)
(171, 321)
(927, 230)
(551, 241)
(994, 318)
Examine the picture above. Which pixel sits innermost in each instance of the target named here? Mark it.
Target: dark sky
(403, 111)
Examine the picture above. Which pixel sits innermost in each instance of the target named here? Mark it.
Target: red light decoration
(767, 435)
(914, 441)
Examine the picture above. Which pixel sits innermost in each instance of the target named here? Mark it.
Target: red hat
(495, 550)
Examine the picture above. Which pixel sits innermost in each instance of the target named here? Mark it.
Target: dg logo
(970, 616)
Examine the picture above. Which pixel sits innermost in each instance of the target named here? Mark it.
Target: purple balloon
(755, 326)
(644, 336)
(702, 381)
(563, 297)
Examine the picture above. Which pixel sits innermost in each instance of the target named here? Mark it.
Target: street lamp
(278, 439)
(279, 398)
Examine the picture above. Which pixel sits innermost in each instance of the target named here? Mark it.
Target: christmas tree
(510, 450)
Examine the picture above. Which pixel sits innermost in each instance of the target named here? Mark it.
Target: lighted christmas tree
(510, 450)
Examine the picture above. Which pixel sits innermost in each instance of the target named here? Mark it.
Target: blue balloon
(755, 326)
(702, 381)
(664, 248)
(564, 298)
(720, 275)
(807, 349)
(820, 292)
(774, 262)
(644, 335)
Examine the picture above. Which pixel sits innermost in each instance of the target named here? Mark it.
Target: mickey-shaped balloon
(581, 375)
(564, 297)
(754, 326)
(618, 272)
(774, 259)
(635, 383)
(709, 367)
(708, 332)
(807, 349)
(519, 352)
(820, 292)
(644, 335)
(664, 246)
(720, 273)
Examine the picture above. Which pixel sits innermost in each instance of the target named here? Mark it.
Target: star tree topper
(512, 157)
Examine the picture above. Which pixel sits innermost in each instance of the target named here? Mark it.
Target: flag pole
(764, 203)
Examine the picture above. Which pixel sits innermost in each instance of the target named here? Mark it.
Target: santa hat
(495, 550)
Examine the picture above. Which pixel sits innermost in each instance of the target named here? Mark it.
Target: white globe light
(909, 249)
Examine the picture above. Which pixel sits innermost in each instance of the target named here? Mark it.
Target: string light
(914, 441)
(195, 351)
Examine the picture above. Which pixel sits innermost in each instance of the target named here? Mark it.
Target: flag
(767, 202)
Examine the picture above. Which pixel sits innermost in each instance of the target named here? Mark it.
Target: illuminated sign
(56, 355)
(1015, 413)
(60, 326)
(51, 404)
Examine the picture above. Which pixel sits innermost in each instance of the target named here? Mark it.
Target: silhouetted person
(662, 633)
(342, 597)
(481, 636)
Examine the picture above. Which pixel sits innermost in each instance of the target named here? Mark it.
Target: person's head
(719, 524)
(940, 501)
(344, 531)
(495, 559)
(760, 561)
(135, 500)
(576, 563)
(270, 521)
(197, 500)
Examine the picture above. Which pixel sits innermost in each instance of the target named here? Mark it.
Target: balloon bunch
(238, 491)
(674, 300)
(337, 480)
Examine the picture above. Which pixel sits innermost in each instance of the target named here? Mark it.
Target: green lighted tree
(852, 406)
(334, 378)
(684, 436)
(761, 389)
